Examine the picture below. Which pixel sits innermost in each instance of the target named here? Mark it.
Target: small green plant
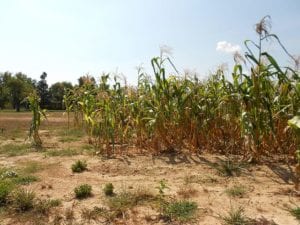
(89, 214)
(83, 191)
(230, 168)
(121, 202)
(180, 210)
(236, 217)
(8, 174)
(236, 191)
(162, 186)
(23, 200)
(25, 180)
(44, 206)
(95, 213)
(79, 166)
(296, 212)
(5, 189)
(108, 189)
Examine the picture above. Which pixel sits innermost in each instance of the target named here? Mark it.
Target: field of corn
(246, 114)
(172, 150)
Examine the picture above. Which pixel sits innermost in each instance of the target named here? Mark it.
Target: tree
(19, 87)
(43, 92)
(4, 90)
(56, 93)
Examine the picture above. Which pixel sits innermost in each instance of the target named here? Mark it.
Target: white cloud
(224, 46)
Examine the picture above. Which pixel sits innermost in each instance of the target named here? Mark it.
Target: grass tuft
(79, 166)
(83, 191)
(11, 150)
(108, 189)
(6, 188)
(180, 210)
(23, 200)
(229, 168)
(44, 206)
(236, 217)
(296, 212)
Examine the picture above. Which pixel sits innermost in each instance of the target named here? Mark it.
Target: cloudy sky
(69, 38)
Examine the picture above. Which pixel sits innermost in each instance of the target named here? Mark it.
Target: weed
(162, 186)
(23, 200)
(83, 191)
(25, 180)
(9, 174)
(236, 191)
(15, 149)
(79, 166)
(108, 189)
(63, 152)
(6, 188)
(32, 167)
(142, 194)
(296, 212)
(88, 214)
(69, 214)
(44, 206)
(180, 210)
(124, 201)
(236, 217)
(230, 168)
(121, 202)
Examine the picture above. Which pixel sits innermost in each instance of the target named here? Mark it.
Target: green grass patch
(11, 150)
(64, 152)
(70, 135)
(68, 139)
(6, 187)
(119, 203)
(17, 176)
(180, 210)
(32, 167)
(25, 179)
(296, 212)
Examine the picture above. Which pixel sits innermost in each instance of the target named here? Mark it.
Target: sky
(71, 38)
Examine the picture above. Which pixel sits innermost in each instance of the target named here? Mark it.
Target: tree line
(14, 88)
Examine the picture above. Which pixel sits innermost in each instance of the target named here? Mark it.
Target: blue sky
(69, 38)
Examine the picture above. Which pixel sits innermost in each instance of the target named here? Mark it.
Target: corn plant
(37, 115)
(245, 114)
(294, 123)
